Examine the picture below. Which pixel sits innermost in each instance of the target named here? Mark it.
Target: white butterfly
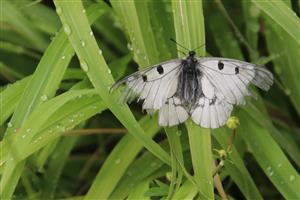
(204, 89)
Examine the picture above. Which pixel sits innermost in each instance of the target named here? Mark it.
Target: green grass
(58, 62)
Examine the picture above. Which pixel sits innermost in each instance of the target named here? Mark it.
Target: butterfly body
(205, 88)
(189, 86)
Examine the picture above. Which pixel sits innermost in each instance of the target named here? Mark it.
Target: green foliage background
(59, 121)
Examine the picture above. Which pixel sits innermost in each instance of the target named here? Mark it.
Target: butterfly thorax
(189, 86)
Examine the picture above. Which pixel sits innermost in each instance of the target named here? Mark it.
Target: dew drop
(44, 97)
(271, 173)
(82, 43)
(94, 107)
(91, 33)
(129, 46)
(63, 57)
(269, 168)
(279, 165)
(59, 10)
(2, 163)
(71, 120)
(100, 52)
(28, 130)
(9, 124)
(23, 136)
(83, 10)
(118, 161)
(67, 29)
(109, 71)
(292, 177)
(58, 126)
(84, 66)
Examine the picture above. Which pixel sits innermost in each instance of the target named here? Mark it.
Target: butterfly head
(192, 57)
(192, 53)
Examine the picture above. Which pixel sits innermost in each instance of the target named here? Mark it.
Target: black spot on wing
(220, 65)
(160, 69)
(144, 78)
(237, 70)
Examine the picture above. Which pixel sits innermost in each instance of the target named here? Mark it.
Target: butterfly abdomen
(189, 85)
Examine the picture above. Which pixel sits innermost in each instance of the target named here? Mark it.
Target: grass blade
(270, 158)
(116, 164)
(189, 28)
(93, 63)
(282, 15)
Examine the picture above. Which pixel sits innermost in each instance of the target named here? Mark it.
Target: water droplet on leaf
(82, 43)
(67, 29)
(44, 97)
(84, 66)
(118, 161)
(58, 10)
(292, 177)
(9, 125)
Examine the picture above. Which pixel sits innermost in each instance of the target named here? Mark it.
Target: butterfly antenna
(179, 45)
(199, 47)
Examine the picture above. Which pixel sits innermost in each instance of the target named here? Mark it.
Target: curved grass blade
(270, 157)
(282, 15)
(93, 63)
(43, 85)
(117, 162)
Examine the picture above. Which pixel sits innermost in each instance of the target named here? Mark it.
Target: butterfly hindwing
(231, 78)
(211, 113)
(154, 85)
(172, 113)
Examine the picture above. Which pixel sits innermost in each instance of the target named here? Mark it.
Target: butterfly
(203, 88)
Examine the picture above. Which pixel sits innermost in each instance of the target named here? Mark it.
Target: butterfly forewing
(231, 77)
(154, 85)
